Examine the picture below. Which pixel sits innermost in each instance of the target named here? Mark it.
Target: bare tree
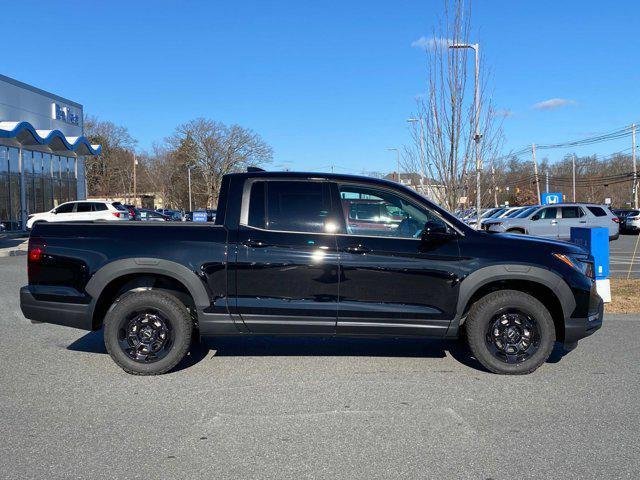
(214, 149)
(446, 112)
(111, 172)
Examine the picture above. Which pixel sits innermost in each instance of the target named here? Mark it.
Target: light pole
(397, 161)
(189, 170)
(477, 136)
(412, 120)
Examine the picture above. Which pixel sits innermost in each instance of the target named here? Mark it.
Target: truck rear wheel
(510, 332)
(148, 332)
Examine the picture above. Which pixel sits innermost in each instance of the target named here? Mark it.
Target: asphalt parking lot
(312, 408)
(622, 255)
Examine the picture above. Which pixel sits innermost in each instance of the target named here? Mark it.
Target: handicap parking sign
(199, 216)
(549, 198)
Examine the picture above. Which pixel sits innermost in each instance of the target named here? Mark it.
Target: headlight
(582, 263)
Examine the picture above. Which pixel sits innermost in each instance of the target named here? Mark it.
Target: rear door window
(99, 207)
(84, 207)
(572, 212)
(291, 206)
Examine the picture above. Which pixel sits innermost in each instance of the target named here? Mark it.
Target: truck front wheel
(510, 332)
(148, 332)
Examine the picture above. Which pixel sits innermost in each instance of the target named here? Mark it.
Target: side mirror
(54, 211)
(535, 217)
(436, 231)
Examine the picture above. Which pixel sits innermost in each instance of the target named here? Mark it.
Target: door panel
(391, 280)
(400, 286)
(287, 265)
(547, 224)
(287, 282)
(572, 216)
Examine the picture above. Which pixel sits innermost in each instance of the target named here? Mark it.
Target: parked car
(484, 213)
(555, 221)
(81, 211)
(365, 215)
(134, 213)
(152, 216)
(172, 215)
(284, 260)
(631, 221)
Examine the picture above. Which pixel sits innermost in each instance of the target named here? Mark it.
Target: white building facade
(42, 152)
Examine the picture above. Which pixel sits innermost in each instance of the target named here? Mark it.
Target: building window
(15, 222)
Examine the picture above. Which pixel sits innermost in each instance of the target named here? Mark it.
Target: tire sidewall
(173, 311)
(483, 312)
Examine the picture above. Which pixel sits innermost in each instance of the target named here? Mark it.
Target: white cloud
(554, 103)
(431, 43)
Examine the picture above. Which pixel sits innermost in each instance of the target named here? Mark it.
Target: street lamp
(412, 120)
(477, 136)
(397, 160)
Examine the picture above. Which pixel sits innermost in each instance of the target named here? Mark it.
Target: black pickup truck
(307, 253)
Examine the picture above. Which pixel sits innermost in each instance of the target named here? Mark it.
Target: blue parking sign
(199, 216)
(549, 198)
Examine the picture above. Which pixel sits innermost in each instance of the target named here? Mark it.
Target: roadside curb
(12, 253)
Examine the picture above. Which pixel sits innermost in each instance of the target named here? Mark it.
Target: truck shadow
(300, 346)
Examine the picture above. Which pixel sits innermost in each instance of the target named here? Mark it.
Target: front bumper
(74, 315)
(578, 328)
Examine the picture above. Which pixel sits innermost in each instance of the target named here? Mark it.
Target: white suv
(82, 211)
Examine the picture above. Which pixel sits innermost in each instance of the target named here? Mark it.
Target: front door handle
(255, 244)
(583, 221)
(358, 249)
(554, 222)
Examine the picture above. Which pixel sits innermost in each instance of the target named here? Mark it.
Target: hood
(528, 241)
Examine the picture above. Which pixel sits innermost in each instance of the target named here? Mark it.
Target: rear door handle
(554, 222)
(583, 221)
(255, 244)
(358, 249)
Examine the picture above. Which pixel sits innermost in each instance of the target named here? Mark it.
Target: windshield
(525, 212)
(514, 213)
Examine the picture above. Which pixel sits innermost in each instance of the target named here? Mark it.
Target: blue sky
(327, 82)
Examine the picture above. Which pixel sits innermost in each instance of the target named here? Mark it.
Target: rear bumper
(59, 313)
(578, 328)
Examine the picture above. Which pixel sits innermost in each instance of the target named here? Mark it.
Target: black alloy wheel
(146, 336)
(513, 336)
(510, 332)
(148, 332)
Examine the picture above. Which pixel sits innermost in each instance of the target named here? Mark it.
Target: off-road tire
(482, 314)
(173, 311)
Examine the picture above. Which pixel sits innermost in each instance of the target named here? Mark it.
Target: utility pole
(477, 136)
(573, 169)
(635, 169)
(495, 187)
(397, 162)
(535, 171)
(547, 182)
(190, 207)
(421, 151)
(135, 186)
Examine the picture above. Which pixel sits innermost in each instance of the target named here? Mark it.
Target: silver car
(631, 221)
(555, 221)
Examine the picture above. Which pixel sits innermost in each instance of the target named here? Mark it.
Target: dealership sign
(549, 198)
(65, 114)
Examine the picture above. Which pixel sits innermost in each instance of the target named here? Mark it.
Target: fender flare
(128, 266)
(483, 276)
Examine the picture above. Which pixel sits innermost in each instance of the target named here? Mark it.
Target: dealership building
(42, 152)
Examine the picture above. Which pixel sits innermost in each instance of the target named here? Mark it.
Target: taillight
(616, 219)
(116, 214)
(35, 253)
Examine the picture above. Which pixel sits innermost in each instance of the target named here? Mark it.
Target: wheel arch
(110, 281)
(542, 284)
